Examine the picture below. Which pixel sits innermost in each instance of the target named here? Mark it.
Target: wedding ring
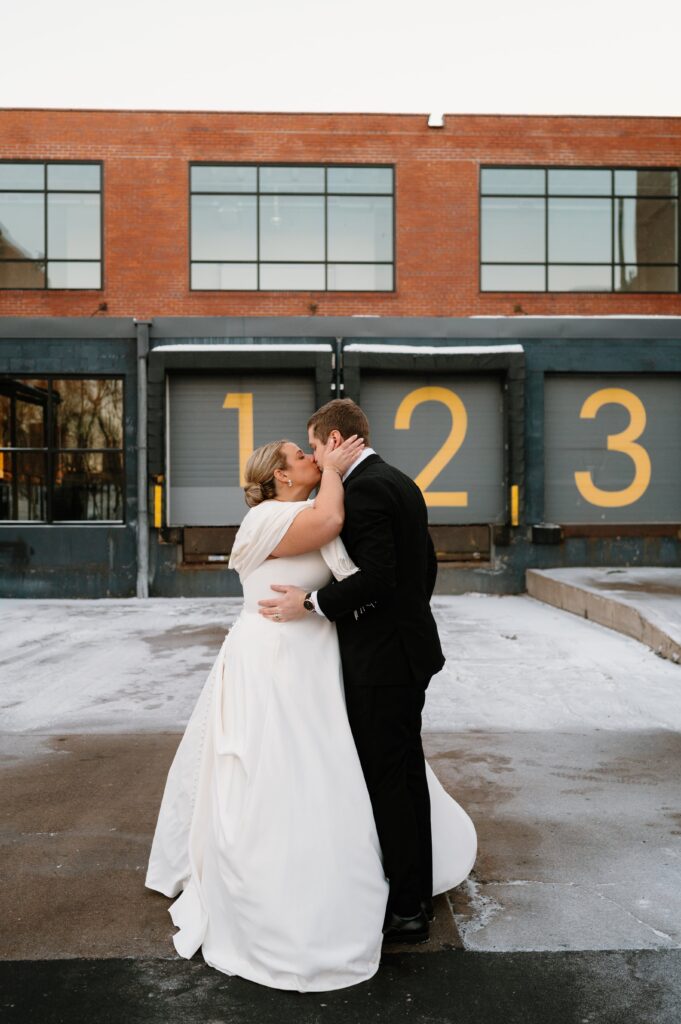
(277, 616)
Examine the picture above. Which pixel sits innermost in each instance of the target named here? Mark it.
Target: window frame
(50, 451)
(546, 196)
(323, 263)
(45, 191)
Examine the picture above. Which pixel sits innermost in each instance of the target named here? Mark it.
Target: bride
(265, 828)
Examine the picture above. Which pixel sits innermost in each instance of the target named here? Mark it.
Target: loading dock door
(446, 432)
(214, 422)
(612, 448)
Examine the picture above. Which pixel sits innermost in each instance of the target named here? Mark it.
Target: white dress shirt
(346, 474)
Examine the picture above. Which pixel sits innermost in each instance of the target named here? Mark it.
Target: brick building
(500, 292)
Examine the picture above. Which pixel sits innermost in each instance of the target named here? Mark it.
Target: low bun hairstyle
(260, 483)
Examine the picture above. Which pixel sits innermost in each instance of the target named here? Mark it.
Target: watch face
(308, 604)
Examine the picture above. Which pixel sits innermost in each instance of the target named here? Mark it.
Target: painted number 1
(437, 499)
(243, 403)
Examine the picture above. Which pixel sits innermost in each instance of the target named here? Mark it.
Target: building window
(579, 229)
(61, 449)
(50, 225)
(291, 228)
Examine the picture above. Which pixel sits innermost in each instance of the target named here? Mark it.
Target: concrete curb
(607, 611)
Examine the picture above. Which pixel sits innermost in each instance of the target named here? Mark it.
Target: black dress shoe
(427, 908)
(406, 929)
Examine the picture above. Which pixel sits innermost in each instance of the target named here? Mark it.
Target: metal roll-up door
(612, 448)
(447, 433)
(214, 422)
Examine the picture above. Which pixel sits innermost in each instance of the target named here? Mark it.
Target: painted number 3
(624, 442)
(437, 499)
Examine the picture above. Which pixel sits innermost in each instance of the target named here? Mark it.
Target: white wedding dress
(265, 827)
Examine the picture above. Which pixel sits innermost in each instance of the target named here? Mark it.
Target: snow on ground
(652, 591)
(512, 663)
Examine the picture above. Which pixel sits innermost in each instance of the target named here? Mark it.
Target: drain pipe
(142, 460)
(337, 385)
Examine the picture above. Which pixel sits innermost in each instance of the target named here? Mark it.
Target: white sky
(527, 57)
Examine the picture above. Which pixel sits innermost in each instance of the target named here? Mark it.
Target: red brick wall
(145, 156)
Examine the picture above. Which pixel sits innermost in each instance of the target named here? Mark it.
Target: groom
(389, 649)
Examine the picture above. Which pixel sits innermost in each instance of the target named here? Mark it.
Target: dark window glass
(292, 276)
(646, 183)
(360, 179)
(360, 228)
(88, 413)
(291, 179)
(580, 230)
(22, 275)
(579, 183)
(22, 225)
(73, 222)
(292, 228)
(646, 230)
(74, 275)
(73, 177)
(358, 277)
(22, 176)
(579, 279)
(50, 226)
(646, 279)
(606, 229)
(224, 276)
(514, 181)
(224, 227)
(30, 479)
(88, 486)
(223, 178)
(513, 230)
(61, 449)
(509, 278)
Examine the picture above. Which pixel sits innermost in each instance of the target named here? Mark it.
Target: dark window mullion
(49, 440)
(326, 228)
(257, 227)
(612, 229)
(546, 230)
(45, 285)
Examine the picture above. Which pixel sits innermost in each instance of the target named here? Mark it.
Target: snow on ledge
(241, 348)
(431, 350)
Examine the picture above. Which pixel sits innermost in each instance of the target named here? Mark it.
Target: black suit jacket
(386, 630)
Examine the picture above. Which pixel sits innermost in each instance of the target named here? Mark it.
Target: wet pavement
(572, 912)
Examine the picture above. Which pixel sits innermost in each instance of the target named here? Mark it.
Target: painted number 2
(437, 499)
(624, 442)
(243, 403)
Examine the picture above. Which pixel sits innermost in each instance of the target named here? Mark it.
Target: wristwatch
(307, 603)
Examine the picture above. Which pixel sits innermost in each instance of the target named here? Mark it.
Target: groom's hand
(285, 608)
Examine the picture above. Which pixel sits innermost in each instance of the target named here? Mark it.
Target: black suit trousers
(386, 726)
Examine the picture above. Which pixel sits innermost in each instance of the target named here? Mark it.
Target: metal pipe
(142, 460)
(338, 385)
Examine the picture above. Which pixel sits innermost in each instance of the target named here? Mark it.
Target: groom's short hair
(343, 415)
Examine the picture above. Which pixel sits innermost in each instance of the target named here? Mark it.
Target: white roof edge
(241, 348)
(431, 350)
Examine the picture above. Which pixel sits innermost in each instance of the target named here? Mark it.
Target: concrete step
(644, 603)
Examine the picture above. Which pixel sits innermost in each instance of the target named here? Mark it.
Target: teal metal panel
(206, 438)
(612, 448)
(450, 423)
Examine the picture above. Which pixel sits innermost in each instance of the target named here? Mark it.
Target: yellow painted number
(625, 442)
(437, 499)
(243, 403)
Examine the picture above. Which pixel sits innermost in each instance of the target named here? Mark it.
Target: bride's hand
(342, 457)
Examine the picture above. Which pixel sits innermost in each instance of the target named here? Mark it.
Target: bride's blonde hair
(260, 483)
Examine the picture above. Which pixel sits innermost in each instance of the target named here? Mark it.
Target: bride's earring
(290, 483)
